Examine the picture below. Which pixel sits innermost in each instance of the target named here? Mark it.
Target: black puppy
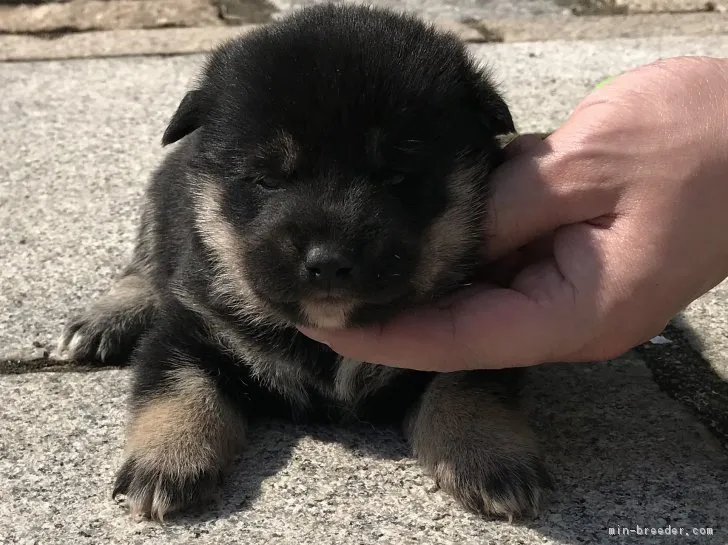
(332, 169)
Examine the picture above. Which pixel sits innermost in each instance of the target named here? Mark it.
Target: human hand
(617, 221)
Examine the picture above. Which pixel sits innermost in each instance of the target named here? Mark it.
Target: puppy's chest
(304, 373)
(314, 381)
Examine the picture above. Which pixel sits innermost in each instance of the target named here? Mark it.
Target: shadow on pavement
(681, 371)
(624, 455)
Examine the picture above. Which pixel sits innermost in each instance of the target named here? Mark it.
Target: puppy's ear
(492, 110)
(188, 117)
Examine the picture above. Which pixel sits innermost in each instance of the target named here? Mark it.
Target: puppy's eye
(396, 180)
(268, 184)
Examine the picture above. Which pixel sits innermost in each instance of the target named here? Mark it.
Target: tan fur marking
(187, 430)
(327, 315)
(504, 140)
(451, 234)
(226, 247)
(129, 291)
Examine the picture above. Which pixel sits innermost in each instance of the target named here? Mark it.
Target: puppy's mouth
(337, 312)
(327, 311)
(330, 307)
(327, 296)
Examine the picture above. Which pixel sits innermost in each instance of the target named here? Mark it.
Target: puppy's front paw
(489, 484)
(97, 337)
(155, 488)
(478, 448)
(179, 443)
(152, 492)
(108, 330)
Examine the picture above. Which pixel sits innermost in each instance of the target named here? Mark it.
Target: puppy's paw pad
(154, 493)
(502, 488)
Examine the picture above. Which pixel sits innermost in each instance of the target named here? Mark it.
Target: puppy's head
(340, 161)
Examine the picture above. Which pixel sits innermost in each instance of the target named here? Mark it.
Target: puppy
(331, 169)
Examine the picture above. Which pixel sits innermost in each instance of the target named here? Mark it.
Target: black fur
(349, 130)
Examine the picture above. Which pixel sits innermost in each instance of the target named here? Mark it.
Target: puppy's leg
(183, 431)
(468, 434)
(109, 329)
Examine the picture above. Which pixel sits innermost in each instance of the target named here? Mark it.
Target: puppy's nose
(328, 266)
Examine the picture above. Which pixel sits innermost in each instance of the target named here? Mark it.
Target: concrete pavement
(176, 41)
(54, 17)
(79, 139)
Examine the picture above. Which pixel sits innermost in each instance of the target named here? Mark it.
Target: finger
(485, 328)
(546, 184)
(523, 200)
(432, 339)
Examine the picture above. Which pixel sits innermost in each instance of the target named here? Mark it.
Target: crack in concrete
(16, 366)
